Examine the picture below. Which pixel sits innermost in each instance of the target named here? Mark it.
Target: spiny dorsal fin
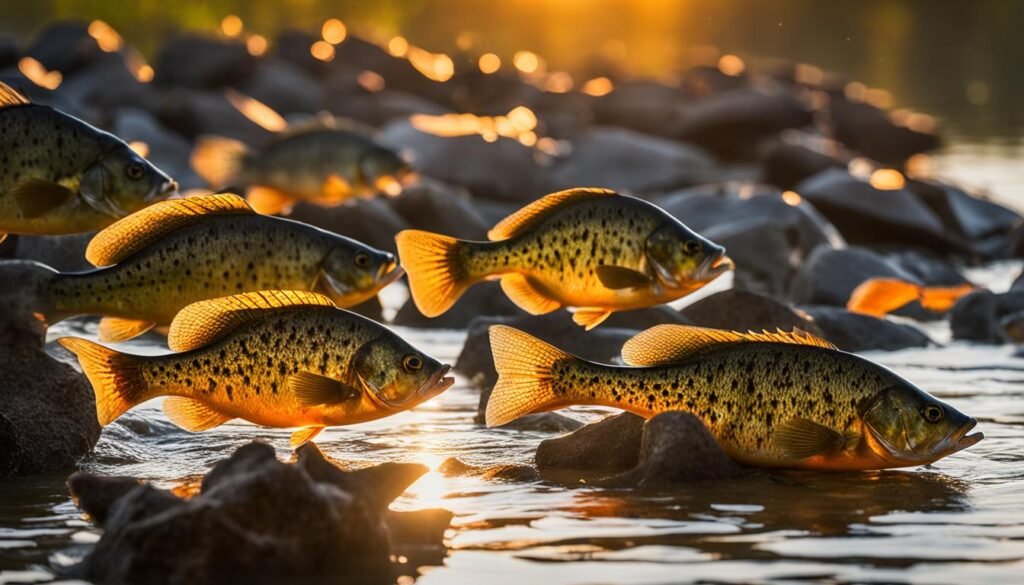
(11, 97)
(542, 208)
(133, 233)
(202, 323)
(669, 344)
(326, 122)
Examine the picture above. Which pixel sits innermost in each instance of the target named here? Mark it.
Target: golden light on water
(106, 37)
(256, 111)
(145, 73)
(140, 148)
(256, 45)
(322, 50)
(887, 180)
(489, 63)
(231, 25)
(429, 490)
(138, 67)
(519, 124)
(37, 73)
(371, 81)
(398, 46)
(880, 98)
(855, 91)
(333, 31)
(438, 67)
(526, 61)
(915, 121)
(809, 74)
(598, 86)
(558, 82)
(792, 198)
(731, 65)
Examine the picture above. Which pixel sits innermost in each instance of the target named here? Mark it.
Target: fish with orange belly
(591, 249)
(770, 399)
(274, 358)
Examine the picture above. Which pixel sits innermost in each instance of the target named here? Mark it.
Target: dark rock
(167, 150)
(293, 46)
(370, 308)
(678, 450)
(798, 156)
(64, 46)
(494, 211)
(1011, 327)
(485, 299)
(194, 113)
(987, 317)
(629, 162)
(201, 62)
(255, 520)
(871, 131)
(972, 218)
(855, 332)
(869, 216)
(108, 83)
(927, 268)
(419, 527)
(541, 422)
(1018, 283)
(371, 221)
(733, 124)
(378, 108)
(743, 311)
(612, 444)
(702, 81)
(9, 51)
(285, 87)
(453, 467)
(398, 73)
(435, 207)
(761, 252)
(829, 276)
(64, 253)
(643, 106)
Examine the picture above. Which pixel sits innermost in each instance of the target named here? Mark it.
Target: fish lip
(714, 266)
(437, 383)
(389, 273)
(962, 440)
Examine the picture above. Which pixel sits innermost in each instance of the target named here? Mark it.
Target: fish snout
(715, 265)
(389, 271)
(437, 383)
(962, 440)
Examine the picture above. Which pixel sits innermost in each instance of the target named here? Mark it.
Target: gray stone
(611, 444)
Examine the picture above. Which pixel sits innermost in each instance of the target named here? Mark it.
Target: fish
(280, 359)
(157, 261)
(59, 175)
(784, 399)
(881, 296)
(325, 162)
(591, 249)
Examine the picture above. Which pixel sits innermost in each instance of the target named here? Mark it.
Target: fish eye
(932, 413)
(362, 259)
(135, 171)
(691, 246)
(412, 363)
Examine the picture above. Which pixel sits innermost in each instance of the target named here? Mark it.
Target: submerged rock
(255, 519)
(987, 317)
(611, 444)
(855, 332)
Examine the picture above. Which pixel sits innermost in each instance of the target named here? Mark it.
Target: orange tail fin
(881, 296)
(437, 277)
(116, 377)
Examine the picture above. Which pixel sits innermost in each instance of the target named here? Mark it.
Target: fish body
(278, 359)
(779, 400)
(59, 175)
(182, 251)
(324, 163)
(590, 249)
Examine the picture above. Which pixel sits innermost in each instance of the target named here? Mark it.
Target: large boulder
(195, 113)
(285, 87)
(644, 106)
(855, 332)
(982, 222)
(254, 519)
(371, 221)
(797, 156)
(201, 62)
(611, 444)
(435, 207)
(987, 317)
(872, 131)
(64, 46)
(740, 310)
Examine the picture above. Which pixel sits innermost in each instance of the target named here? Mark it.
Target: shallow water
(959, 520)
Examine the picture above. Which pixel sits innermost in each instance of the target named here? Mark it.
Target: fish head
(355, 272)
(906, 424)
(683, 259)
(122, 182)
(383, 170)
(397, 376)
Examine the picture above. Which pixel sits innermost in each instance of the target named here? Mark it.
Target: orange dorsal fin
(669, 344)
(202, 323)
(139, 230)
(544, 207)
(11, 97)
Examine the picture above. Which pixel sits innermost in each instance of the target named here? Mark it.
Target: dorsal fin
(133, 233)
(326, 121)
(11, 97)
(669, 344)
(202, 323)
(542, 208)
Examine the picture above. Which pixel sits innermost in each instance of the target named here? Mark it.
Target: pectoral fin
(192, 415)
(800, 438)
(268, 201)
(617, 277)
(35, 197)
(312, 389)
(114, 329)
(590, 317)
(304, 435)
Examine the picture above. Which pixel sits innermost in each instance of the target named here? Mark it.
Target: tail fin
(437, 277)
(218, 160)
(942, 298)
(116, 377)
(881, 296)
(524, 375)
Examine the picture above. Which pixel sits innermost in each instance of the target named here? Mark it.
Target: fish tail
(881, 296)
(218, 160)
(524, 382)
(437, 275)
(942, 298)
(116, 377)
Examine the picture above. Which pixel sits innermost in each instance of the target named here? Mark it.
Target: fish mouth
(437, 383)
(961, 440)
(168, 188)
(714, 266)
(389, 273)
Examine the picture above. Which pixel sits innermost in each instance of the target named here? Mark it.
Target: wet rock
(378, 108)
(194, 113)
(855, 332)
(398, 73)
(643, 106)
(371, 221)
(64, 253)
(494, 211)
(677, 450)
(798, 156)
(761, 252)
(612, 444)
(255, 519)
(293, 46)
(201, 62)
(285, 87)
(972, 218)
(871, 131)
(740, 310)
(167, 150)
(453, 467)
(1011, 327)
(987, 317)
(629, 162)
(733, 124)
(702, 81)
(9, 51)
(64, 46)
(869, 216)
(485, 299)
(433, 206)
(107, 83)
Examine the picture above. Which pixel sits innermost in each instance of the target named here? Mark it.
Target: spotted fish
(770, 399)
(274, 358)
(591, 249)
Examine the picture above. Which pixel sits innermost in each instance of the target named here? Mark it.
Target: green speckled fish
(274, 358)
(590, 249)
(771, 399)
(59, 175)
(181, 251)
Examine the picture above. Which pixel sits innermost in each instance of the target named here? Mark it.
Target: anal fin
(304, 435)
(268, 201)
(590, 317)
(116, 329)
(192, 415)
(527, 295)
